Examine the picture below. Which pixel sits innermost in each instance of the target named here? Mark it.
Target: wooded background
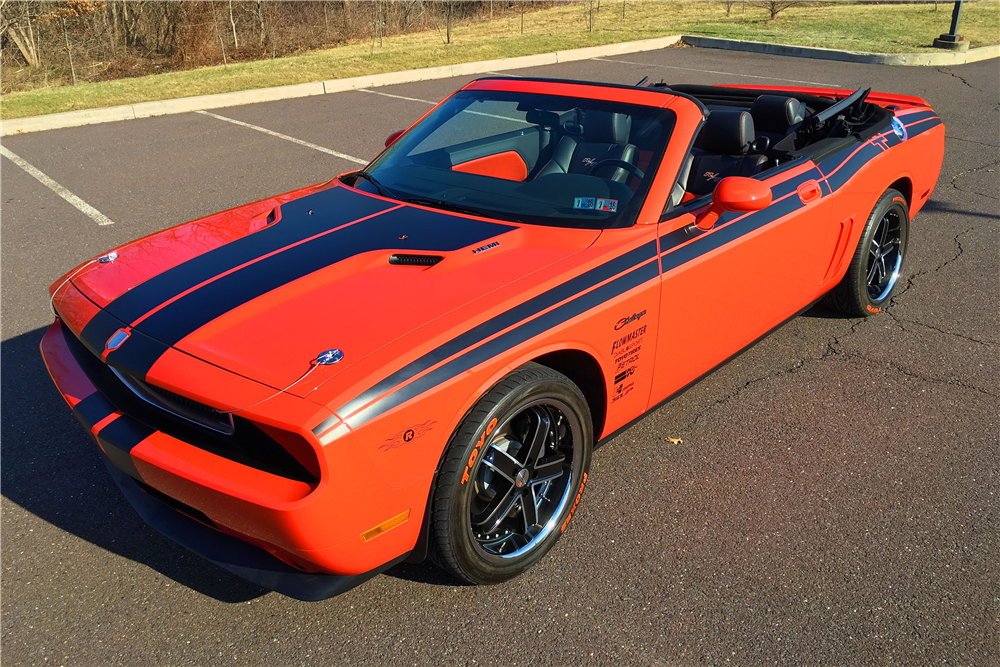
(54, 43)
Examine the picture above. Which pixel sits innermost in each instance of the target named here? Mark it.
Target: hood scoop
(414, 260)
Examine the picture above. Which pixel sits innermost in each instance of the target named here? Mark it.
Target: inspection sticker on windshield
(607, 205)
(584, 202)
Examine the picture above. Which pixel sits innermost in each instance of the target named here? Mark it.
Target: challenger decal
(626, 320)
(407, 435)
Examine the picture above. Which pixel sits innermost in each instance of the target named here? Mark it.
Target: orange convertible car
(417, 359)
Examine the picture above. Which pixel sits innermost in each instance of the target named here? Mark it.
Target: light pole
(952, 40)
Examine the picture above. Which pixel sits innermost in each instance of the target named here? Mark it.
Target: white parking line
(80, 205)
(417, 99)
(396, 97)
(709, 71)
(342, 156)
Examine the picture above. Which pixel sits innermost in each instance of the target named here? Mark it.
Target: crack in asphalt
(954, 179)
(926, 378)
(960, 78)
(829, 351)
(902, 322)
(910, 280)
(834, 349)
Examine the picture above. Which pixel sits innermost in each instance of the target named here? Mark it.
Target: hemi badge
(486, 247)
(116, 340)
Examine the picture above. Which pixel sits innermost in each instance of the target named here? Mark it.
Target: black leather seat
(726, 142)
(605, 137)
(774, 116)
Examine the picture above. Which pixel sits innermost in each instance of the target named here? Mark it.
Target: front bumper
(235, 555)
(258, 519)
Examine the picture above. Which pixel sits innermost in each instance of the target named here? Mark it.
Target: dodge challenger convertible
(416, 360)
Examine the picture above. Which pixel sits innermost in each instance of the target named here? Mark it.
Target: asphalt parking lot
(834, 501)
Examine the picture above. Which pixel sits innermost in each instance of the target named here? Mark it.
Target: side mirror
(734, 193)
(391, 139)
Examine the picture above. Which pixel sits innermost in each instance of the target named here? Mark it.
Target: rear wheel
(878, 260)
(512, 476)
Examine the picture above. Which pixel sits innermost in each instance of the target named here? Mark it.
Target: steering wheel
(627, 166)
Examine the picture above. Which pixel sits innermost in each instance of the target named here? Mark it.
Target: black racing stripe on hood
(137, 354)
(425, 231)
(331, 208)
(98, 330)
(518, 313)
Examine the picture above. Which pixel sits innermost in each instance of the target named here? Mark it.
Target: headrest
(774, 113)
(605, 127)
(727, 132)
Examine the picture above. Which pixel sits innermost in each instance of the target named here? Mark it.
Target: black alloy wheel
(524, 479)
(512, 476)
(884, 256)
(877, 264)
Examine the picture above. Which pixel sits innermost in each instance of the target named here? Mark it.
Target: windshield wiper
(457, 208)
(382, 190)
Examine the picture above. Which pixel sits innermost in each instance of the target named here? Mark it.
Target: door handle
(809, 191)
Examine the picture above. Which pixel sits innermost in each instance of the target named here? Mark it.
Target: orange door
(724, 289)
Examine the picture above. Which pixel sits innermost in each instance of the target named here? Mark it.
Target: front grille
(233, 437)
(183, 407)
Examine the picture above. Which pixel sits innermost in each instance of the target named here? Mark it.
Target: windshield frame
(583, 95)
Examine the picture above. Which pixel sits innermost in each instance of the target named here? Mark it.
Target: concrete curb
(186, 104)
(932, 59)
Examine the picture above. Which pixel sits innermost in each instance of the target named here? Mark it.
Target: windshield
(538, 159)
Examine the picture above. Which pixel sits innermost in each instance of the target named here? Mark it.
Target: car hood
(263, 290)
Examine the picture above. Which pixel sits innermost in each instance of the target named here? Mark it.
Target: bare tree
(774, 7)
(728, 6)
(20, 30)
(591, 15)
(215, 24)
(232, 22)
(450, 7)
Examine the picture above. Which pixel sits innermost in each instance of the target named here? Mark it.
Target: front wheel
(878, 260)
(512, 476)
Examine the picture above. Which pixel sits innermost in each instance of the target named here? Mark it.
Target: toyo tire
(512, 476)
(877, 264)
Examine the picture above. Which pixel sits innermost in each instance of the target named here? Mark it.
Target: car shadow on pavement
(941, 207)
(424, 573)
(53, 470)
